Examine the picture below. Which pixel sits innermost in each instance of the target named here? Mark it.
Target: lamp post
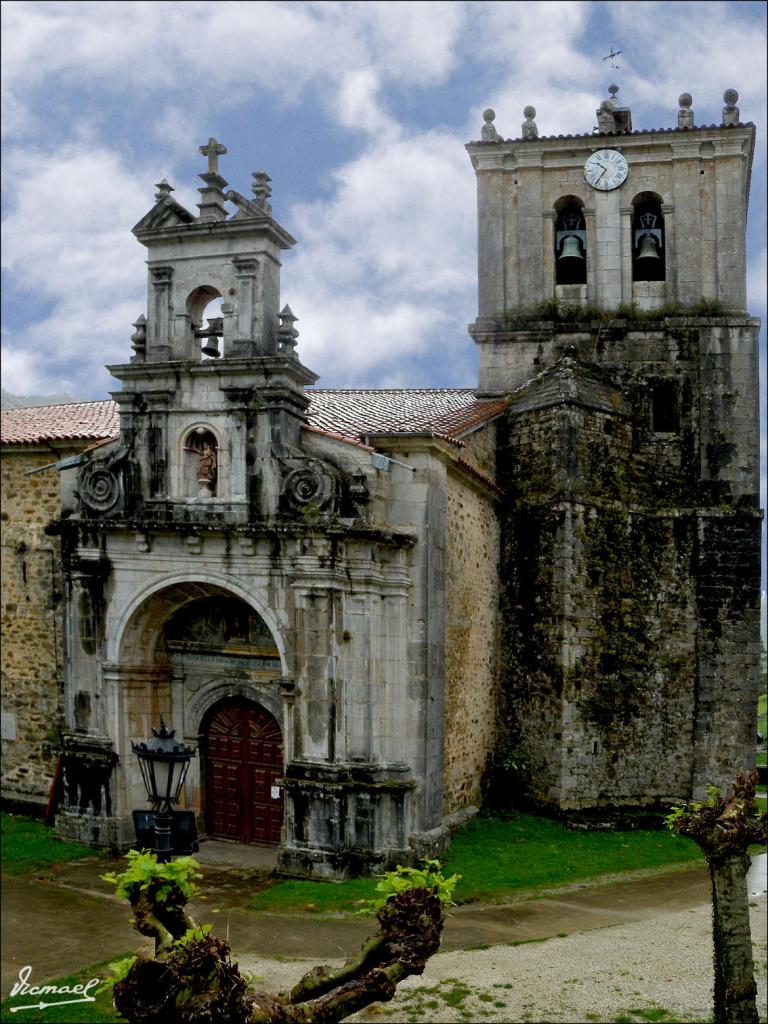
(163, 762)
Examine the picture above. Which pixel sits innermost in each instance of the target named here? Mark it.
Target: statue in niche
(207, 469)
(203, 444)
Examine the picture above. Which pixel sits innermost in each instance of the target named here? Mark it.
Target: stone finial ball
(730, 96)
(685, 100)
(613, 89)
(489, 114)
(529, 112)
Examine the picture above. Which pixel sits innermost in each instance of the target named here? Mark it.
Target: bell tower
(612, 311)
(213, 396)
(610, 221)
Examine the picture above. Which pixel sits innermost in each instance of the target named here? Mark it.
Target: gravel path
(600, 975)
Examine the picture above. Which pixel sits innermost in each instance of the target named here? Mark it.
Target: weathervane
(612, 58)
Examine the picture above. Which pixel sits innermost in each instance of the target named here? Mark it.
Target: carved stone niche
(89, 575)
(200, 464)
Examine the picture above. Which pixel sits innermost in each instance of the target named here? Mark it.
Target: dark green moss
(555, 311)
(622, 553)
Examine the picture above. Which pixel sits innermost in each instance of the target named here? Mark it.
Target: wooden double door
(244, 760)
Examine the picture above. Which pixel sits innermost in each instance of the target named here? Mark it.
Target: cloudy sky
(358, 111)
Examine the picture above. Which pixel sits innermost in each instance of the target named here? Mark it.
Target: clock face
(606, 169)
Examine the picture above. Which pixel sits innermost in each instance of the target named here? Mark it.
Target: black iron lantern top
(163, 762)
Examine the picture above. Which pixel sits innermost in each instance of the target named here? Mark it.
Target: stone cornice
(253, 367)
(219, 229)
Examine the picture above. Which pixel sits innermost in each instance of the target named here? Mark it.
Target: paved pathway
(68, 917)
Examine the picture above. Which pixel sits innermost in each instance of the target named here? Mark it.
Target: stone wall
(480, 450)
(630, 601)
(472, 559)
(32, 648)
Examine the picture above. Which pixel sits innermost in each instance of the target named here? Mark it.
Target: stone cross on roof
(213, 150)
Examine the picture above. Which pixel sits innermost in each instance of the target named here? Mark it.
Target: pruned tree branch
(194, 981)
(724, 830)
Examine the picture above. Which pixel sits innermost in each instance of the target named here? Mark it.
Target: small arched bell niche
(205, 322)
(200, 464)
(648, 241)
(570, 242)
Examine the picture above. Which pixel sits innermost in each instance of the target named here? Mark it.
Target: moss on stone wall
(624, 556)
(598, 610)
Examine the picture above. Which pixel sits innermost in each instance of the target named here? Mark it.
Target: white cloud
(386, 269)
(402, 216)
(538, 53)
(536, 35)
(24, 372)
(388, 254)
(358, 105)
(413, 41)
(719, 49)
(68, 246)
(349, 337)
(222, 53)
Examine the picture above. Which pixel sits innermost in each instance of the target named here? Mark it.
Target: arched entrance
(243, 748)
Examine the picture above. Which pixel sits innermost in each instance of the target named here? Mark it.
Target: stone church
(365, 607)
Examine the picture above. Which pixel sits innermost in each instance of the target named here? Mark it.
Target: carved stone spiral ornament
(99, 488)
(308, 485)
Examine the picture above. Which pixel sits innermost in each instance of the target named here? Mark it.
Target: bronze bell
(211, 347)
(212, 335)
(649, 249)
(571, 249)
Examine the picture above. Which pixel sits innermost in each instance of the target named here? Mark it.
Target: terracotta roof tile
(349, 414)
(88, 421)
(444, 412)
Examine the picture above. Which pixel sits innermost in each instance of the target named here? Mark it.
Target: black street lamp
(163, 762)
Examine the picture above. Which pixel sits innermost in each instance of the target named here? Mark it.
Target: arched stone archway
(182, 650)
(134, 635)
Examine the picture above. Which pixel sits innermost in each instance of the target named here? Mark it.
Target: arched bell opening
(648, 238)
(206, 323)
(570, 242)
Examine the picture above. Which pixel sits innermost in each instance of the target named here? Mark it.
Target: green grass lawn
(762, 725)
(29, 845)
(73, 1013)
(499, 858)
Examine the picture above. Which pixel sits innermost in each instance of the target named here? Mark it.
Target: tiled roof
(356, 413)
(348, 414)
(77, 421)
